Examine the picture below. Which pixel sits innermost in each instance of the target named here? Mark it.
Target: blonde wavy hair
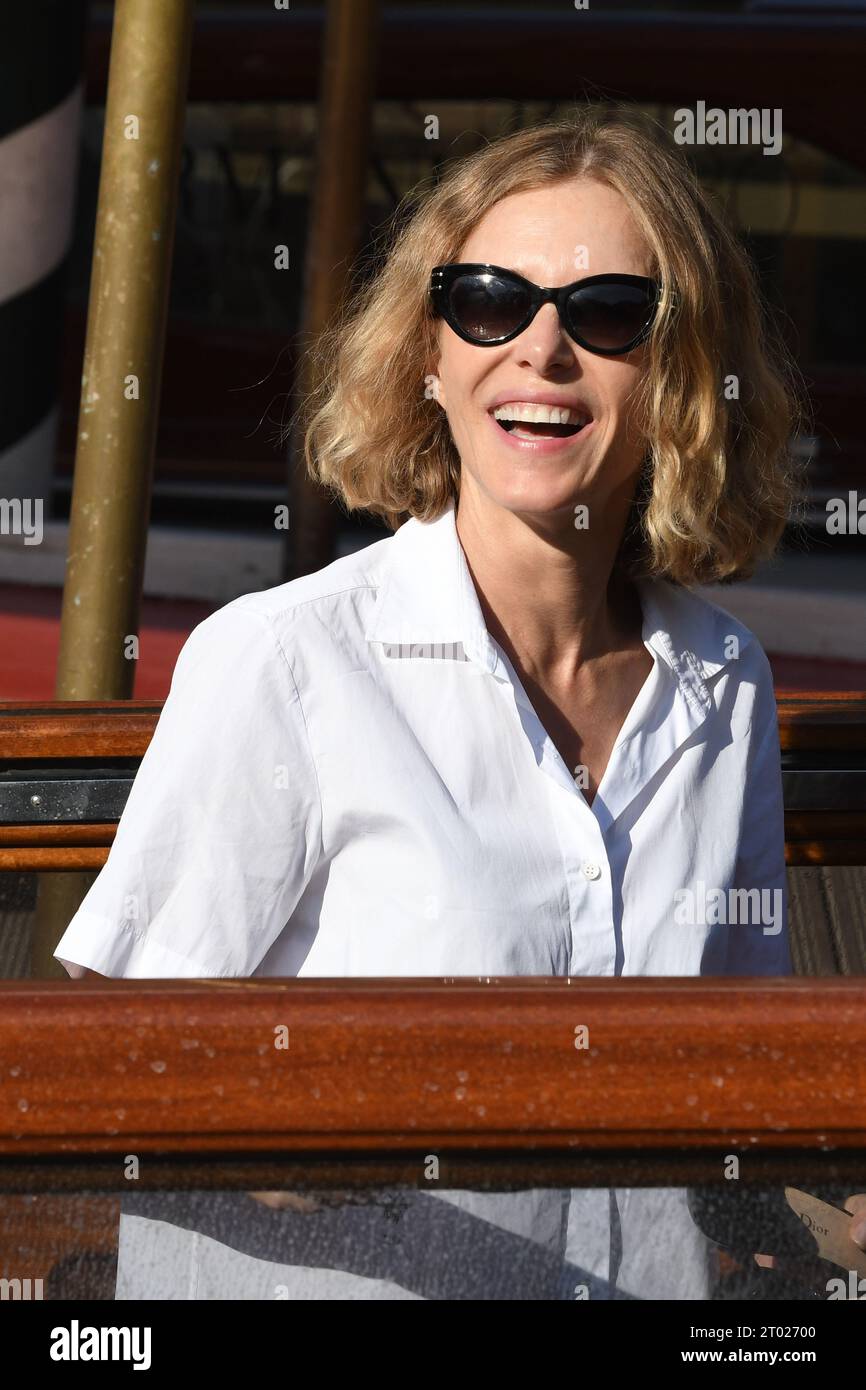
(718, 483)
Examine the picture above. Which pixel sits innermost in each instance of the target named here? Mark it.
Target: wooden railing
(359, 1080)
(55, 751)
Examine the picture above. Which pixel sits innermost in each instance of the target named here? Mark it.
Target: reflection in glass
(694, 1243)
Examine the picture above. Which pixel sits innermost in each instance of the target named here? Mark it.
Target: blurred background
(251, 156)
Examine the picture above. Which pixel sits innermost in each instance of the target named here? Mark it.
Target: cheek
(455, 368)
(624, 397)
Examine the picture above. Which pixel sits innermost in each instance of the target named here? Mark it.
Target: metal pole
(120, 386)
(348, 70)
(144, 120)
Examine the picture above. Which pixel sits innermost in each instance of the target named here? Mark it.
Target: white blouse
(347, 778)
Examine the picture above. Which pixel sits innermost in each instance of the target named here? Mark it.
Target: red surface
(30, 638)
(30, 634)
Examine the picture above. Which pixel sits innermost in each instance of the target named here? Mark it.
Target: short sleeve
(760, 945)
(221, 831)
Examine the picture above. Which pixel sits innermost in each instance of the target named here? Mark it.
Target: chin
(537, 497)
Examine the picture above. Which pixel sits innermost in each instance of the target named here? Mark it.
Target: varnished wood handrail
(821, 720)
(811, 723)
(55, 729)
(412, 1067)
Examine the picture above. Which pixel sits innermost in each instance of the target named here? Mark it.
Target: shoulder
(338, 584)
(704, 630)
(328, 608)
(716, 658)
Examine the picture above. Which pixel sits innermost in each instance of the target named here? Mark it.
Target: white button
(591, 871)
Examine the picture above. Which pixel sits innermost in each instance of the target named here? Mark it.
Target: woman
(508, 739)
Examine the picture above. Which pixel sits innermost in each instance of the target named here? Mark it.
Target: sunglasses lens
(609, 316)
(487, 307)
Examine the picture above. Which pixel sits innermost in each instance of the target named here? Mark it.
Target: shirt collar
(427, 597)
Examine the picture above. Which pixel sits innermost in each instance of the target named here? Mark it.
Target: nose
(544, 344)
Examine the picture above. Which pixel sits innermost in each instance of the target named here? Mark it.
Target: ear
(434, 388)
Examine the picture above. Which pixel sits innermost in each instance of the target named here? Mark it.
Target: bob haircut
(720, 400)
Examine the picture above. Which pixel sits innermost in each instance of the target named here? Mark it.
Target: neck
(548, 592)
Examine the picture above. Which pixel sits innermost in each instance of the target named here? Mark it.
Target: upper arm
(222, 827)
(762, 947)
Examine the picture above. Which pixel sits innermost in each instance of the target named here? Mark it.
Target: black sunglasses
(487, 306)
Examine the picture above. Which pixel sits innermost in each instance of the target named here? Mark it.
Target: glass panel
(35, 909)
(662, 1242)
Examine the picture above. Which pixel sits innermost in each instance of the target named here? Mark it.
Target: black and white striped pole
(41, 98)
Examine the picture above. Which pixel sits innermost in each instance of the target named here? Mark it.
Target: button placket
(583, 853)
(592, 943)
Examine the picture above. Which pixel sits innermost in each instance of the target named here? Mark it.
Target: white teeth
(539, 414)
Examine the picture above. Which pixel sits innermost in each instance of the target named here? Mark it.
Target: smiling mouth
(525, 429)
(540, 422)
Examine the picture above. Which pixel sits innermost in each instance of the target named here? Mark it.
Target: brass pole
(345, 118)
(120, 385)
(144, 118)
